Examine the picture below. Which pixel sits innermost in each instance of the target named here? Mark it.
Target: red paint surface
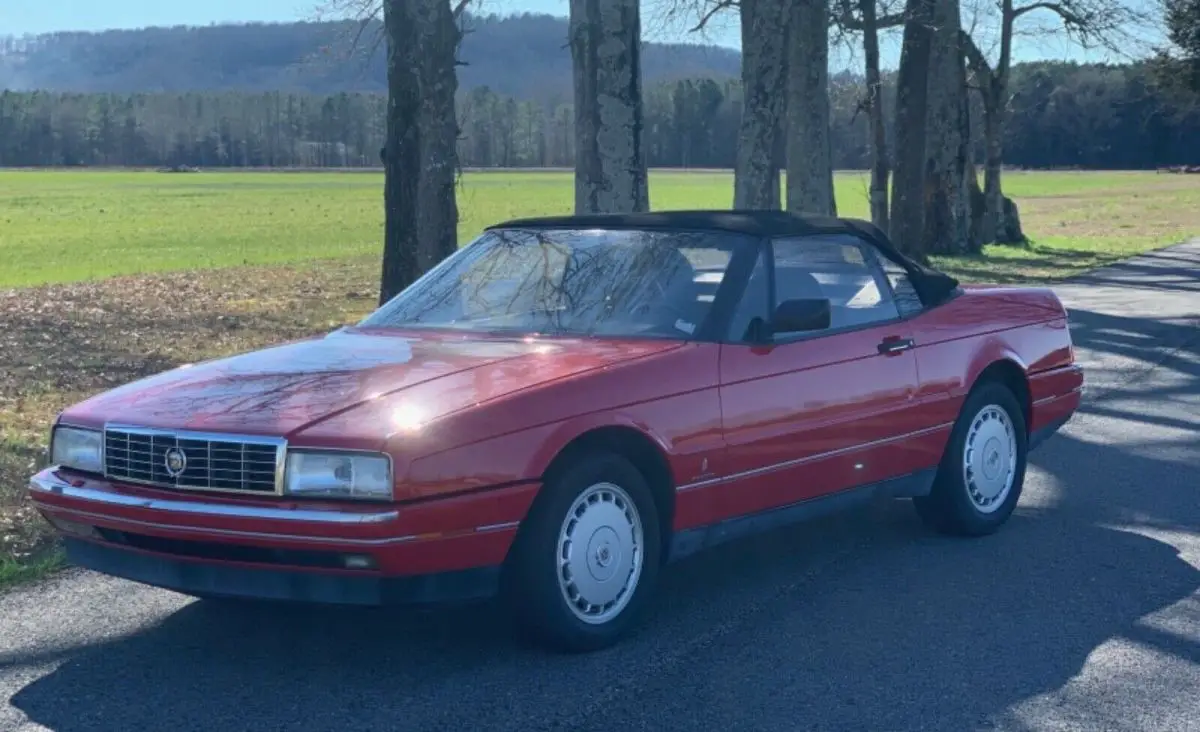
(472, 423)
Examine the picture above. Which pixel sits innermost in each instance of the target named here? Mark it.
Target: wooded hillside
(523, 55)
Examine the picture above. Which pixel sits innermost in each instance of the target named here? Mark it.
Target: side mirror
(792, 316)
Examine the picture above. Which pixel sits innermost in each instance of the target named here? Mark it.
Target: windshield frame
(744, 251)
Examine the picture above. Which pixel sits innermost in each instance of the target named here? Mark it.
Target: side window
(908, 302)
(835, 268)
(753, 303)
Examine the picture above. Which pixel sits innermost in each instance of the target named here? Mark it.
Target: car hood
(288, 388)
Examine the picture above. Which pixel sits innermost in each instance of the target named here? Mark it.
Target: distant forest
(523, 56)
(287, 95)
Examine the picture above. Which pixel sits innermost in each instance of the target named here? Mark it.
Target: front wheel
(982, 472)
(586, 559)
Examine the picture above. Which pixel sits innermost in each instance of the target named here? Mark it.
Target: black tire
(949, 507)
(532, 590)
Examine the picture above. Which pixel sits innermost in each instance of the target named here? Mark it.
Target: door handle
(889, 346)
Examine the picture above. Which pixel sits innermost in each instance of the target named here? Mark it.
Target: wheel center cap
(604, 553)
(991, 460)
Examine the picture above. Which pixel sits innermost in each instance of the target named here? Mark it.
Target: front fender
(686, 428)
(570, 430)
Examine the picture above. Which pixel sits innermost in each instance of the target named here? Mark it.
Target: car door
(811, 413)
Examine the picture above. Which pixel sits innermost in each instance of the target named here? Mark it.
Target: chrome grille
(216, 462)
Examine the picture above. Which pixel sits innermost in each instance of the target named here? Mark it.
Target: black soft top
(931, 285)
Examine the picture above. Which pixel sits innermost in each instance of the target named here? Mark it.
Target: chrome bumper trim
(1081, 389)
(813, 458)
(46, 482)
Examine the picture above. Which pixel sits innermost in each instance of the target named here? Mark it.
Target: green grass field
(58, 226)
(214, 263)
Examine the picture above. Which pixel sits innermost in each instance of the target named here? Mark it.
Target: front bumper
(206, 579)
(443, 550)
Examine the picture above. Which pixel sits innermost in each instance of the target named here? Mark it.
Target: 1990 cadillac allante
(562, 407)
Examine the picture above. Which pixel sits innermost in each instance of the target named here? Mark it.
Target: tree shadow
(1144, 276)
(1171, 268)
(798, 623)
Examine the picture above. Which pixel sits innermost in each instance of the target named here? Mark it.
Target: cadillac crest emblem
(176, 462)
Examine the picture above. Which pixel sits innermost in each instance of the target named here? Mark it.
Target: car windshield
(610, 282)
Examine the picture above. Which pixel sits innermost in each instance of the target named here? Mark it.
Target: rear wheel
(982, 472)
(586, 559)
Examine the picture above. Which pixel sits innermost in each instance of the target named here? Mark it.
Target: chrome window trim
(280, 444)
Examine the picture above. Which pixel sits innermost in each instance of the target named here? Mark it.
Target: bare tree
(947, 198)
(764, 70)
(1088, 22)
(931, 201)
(785, 99)
(765, 58)
(401, 154)
(420, 153)
(871, 22)
(438, 37)
(908, 187)
(610, 164)
(874, 106)
(809, 152)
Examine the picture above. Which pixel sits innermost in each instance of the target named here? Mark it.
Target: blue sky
(18, 17)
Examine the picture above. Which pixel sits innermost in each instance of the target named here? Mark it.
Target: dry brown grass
(1165, 208)
(63, 343)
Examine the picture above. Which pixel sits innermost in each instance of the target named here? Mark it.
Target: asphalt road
(1083, 613)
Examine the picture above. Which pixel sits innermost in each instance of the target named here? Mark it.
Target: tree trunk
(947, 212)
(437, 208)
(908, 209)
(1012, 233)
(809, 154)
(610, 164)
(764, 60)
(879, 155)
(401, 153)
(975, 203)
(996, 227)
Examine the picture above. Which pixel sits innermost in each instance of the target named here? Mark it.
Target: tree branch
(976, 60)
(708, 14)
(849, 21)
(1110, 23)
(1069, 17)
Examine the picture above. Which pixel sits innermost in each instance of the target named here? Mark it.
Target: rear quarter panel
(958, 340)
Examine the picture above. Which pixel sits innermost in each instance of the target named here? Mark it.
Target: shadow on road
(907, 631)
(864, 621)
(1162, 270)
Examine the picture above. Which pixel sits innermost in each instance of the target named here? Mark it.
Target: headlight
(76, 448)
(338, 475)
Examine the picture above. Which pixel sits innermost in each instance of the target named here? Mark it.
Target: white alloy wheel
(600, 553)
(989, 459)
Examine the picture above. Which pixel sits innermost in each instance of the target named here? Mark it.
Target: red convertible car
(561, 408)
